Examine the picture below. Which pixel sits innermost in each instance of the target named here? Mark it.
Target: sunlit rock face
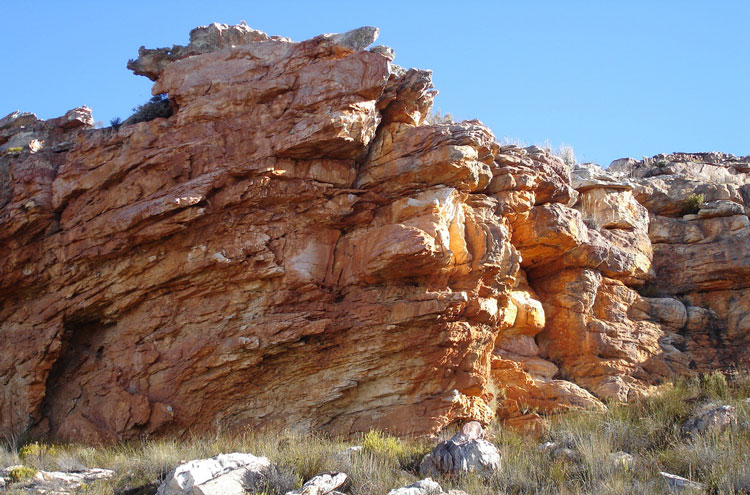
(296, 246)
(698, 204)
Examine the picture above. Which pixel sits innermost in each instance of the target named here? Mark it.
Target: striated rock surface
(297, 247)
(290, 248)
(699, 228)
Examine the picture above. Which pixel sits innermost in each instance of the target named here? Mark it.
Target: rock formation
(297, 247)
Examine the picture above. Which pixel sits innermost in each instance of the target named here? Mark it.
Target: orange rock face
(291, 248)
(297, 247)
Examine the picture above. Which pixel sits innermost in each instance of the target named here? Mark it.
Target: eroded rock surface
(291, 248)
(297, 247)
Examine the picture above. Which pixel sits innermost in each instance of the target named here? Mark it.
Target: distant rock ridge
(296, 246)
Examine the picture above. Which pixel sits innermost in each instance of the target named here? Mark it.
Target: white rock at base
(679, 483)
(220, 475)
(421, 487)
(322, 484)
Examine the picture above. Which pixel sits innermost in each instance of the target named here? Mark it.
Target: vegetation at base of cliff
(649, 430)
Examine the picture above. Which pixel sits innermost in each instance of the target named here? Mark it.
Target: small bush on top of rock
(115, 123)
(439, 118)
(157, 107)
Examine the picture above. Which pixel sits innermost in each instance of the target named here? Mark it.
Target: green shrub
(37, 450)
(13, 151)
(407, 454)
(692, 204)
(382, 444)
(21, 473)
(714, 385)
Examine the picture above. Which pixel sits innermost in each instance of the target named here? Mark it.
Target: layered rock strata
(297, 247)
(699, 205)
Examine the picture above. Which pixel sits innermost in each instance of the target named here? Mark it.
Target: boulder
(224, 474)
(466, 451)
(323, 484)
(62, 483)
(715, 419)
(424, 487)
(679, 484)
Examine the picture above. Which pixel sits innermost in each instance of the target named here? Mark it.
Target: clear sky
(610, 78)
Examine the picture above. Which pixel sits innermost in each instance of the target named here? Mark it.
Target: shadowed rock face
(296, 247)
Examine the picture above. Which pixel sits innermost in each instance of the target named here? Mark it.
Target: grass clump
(407, 454)
(436, 117)
(692, 204)
(714, 386)
(274, 480)
(36, 450)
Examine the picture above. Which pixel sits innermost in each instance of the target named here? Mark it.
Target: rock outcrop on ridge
(296, 246)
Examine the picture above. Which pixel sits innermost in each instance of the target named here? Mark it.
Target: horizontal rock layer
(297, 247)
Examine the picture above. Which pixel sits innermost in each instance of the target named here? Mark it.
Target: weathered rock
(323, 484)
(702, 258)
(62, 483)
(221, 475)
(679, 484)
(424, 487)
(720, 208)
(715, 419)
(467, 451)
(25, 131)
(261, 231)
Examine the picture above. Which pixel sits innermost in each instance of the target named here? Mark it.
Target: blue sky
(612, 79)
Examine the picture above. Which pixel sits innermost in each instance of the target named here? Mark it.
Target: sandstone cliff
(296, 246)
